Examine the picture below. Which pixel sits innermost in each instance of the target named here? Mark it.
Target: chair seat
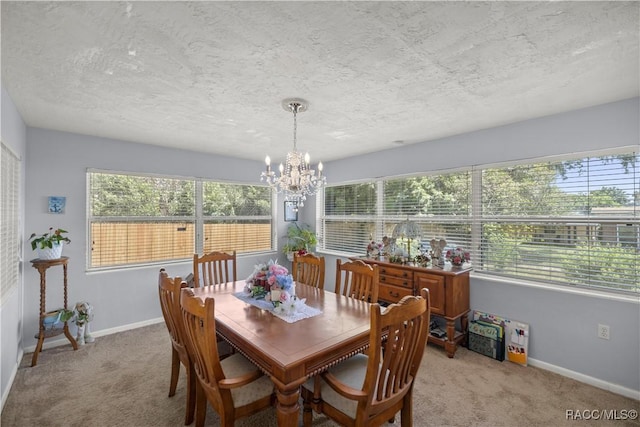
(237, 365)
(350, 372)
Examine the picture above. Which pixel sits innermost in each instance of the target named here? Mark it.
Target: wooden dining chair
(214, 268)
(169, 293)
(369, 389)
(308, 269)
(358, 280)
(234, 387)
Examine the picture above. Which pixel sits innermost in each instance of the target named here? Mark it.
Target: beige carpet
(123, 380)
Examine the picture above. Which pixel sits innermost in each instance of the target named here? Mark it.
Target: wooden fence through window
(125, 243)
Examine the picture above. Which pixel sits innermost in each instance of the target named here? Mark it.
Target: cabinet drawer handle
(394, 294)
(382, 270)
(405, 284)
(404, 274)
(382, 279)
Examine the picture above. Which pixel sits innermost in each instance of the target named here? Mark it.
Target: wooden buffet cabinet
(448, 290)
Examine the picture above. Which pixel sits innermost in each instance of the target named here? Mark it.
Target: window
(236, 217)
(572, 221)
(145, 219)
(350, 217)
(356, 214)
(10, 221)
(561, 221)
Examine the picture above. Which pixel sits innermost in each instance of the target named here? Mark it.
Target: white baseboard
(96, 334)
(614, 388)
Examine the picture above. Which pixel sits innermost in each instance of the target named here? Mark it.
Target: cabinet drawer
(436, 286)
(395, 272)
(397, 281)
(392, 293)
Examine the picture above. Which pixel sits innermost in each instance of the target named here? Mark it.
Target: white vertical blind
(9, 221)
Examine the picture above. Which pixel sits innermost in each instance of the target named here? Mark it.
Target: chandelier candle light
(297, 179)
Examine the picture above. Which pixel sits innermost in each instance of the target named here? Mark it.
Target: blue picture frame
(57, 204)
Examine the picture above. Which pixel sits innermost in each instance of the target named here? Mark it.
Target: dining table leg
(288, 406)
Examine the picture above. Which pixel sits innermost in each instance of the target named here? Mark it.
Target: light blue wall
(563, 325)
(597, 128)
(12, 132)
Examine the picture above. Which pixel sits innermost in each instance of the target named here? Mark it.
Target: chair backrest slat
(214, 268)
(308, 269)
(358, 280)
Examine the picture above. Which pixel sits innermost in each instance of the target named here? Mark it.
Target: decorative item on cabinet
(457, 257)
(437, 246)
(406, 235)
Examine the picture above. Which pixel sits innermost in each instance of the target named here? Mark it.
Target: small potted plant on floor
(49, 245)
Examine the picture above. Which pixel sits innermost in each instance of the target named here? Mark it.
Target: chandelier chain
(295, 126)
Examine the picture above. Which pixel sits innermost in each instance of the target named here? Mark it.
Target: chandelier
(297, 179)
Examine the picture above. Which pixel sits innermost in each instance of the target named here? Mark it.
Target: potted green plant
(299, 238)
(49, 245)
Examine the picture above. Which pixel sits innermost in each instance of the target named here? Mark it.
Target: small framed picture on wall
(57, 204)
(290, 211)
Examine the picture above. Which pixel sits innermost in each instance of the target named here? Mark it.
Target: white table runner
(290, 312)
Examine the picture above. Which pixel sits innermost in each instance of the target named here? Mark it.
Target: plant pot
(54, 252)
(51, 318)
(290, 256)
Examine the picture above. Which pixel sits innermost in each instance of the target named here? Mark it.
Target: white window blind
(439, 204)
(358, 213)
(570, 222)
(350, 217)
(236, 217)
(145, 219)
(9, 222)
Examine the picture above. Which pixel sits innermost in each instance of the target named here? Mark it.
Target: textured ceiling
(210, 76)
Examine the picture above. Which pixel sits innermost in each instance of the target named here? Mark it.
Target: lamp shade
(407, 230)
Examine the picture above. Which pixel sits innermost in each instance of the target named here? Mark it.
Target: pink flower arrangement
(268, 277)
(273, 283)
(457, 256)
(278, 277)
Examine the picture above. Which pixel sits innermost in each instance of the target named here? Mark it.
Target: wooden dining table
(290, 353)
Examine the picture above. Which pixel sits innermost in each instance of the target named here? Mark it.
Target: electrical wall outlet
(603, 332)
